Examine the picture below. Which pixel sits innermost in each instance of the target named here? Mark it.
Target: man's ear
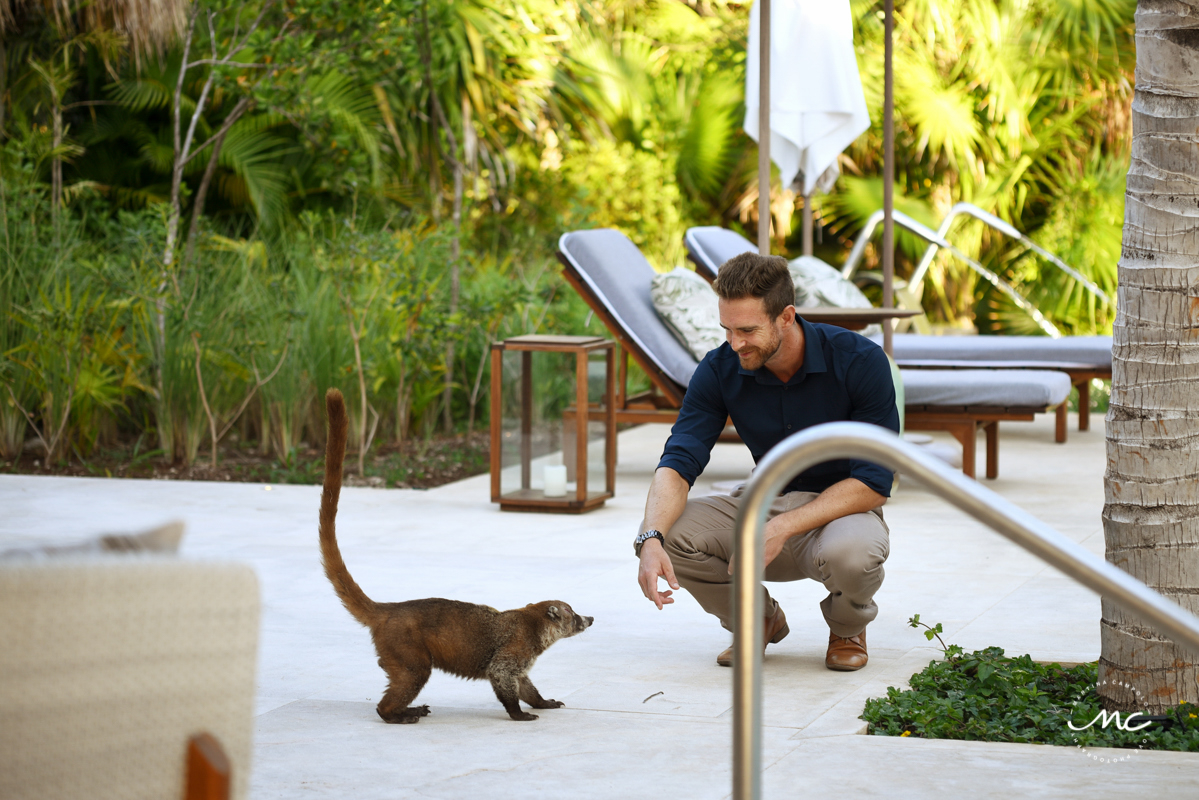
(788, 316)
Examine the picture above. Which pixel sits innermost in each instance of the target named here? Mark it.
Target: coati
(463, 639)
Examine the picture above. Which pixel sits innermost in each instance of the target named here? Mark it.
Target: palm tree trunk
(1151, 513)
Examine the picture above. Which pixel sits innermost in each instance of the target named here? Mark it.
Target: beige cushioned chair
(109, 665)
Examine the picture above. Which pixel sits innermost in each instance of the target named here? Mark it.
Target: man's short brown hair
(752, 275)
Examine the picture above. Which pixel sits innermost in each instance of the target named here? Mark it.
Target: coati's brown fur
(464, 639)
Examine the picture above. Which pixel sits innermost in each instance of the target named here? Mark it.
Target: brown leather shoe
(846, 654)
(774, 632)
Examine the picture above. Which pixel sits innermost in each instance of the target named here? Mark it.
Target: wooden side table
(527, 497)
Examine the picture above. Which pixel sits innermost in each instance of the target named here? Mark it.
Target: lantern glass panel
(533, 427)
(553, 433)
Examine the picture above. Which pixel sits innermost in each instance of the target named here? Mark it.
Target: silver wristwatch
(642, 538)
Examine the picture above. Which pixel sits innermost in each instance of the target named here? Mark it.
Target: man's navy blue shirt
(844, 377)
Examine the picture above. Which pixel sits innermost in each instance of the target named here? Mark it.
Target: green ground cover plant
(989, 696)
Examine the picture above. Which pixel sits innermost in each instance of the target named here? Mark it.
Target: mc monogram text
(1104, 719)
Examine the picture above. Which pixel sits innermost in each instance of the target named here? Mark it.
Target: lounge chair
(613, 277)
(1083, 358)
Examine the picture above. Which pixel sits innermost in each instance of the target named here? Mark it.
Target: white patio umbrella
(817, 107)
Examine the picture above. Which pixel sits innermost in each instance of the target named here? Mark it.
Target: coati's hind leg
(532, 697)
(405, 679)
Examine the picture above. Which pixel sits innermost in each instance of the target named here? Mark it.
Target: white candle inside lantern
(555, 480)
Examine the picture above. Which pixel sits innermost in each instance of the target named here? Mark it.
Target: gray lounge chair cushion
(614, 269)
(1009, 388)
(711, 246)
(1095, 351)
(688, 306)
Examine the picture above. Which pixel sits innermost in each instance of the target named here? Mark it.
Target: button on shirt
(844, 377)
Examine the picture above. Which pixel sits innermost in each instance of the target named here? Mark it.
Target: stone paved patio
(648, 711)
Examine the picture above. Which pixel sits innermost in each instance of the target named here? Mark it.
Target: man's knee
(853, 546)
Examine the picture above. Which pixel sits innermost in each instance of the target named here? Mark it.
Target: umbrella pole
(888, 173)
(807, 225)
(764, 128)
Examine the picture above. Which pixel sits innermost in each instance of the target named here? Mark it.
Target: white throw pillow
(688, 306)
(819, 285)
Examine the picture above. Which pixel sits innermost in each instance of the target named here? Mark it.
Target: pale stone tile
(318, 734)
(892, 767)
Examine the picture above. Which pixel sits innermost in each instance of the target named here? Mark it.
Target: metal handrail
(840, 440)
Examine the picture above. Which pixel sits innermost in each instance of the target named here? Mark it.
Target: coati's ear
(553, 612)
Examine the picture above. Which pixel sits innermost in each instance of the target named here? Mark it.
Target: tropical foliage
(212, 210)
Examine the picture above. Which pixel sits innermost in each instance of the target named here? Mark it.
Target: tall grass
(254, 333)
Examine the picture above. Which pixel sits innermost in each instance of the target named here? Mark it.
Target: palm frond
(1085, 24)
(145, 93)
(707, 148)
(159, 153)
(847, 211)
(941, 113)
(351, 107)
(256, 157)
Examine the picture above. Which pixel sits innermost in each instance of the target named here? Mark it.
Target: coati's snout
(568, 622)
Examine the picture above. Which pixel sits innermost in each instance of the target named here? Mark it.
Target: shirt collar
(813, 357)
(813, 348)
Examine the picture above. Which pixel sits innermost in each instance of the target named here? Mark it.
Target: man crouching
(775, 376)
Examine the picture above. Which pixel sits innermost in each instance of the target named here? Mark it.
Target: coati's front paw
(550, 704)
(522, 716)
(408, 716)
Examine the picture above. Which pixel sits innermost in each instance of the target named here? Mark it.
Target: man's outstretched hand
(656, 564)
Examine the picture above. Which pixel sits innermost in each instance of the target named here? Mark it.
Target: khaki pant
(846, 555)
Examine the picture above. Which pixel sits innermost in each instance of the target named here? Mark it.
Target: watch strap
(645, 537)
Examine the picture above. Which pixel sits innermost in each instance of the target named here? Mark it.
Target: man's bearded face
(750, 331)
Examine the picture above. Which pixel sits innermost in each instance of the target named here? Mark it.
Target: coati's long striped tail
(352, 597)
